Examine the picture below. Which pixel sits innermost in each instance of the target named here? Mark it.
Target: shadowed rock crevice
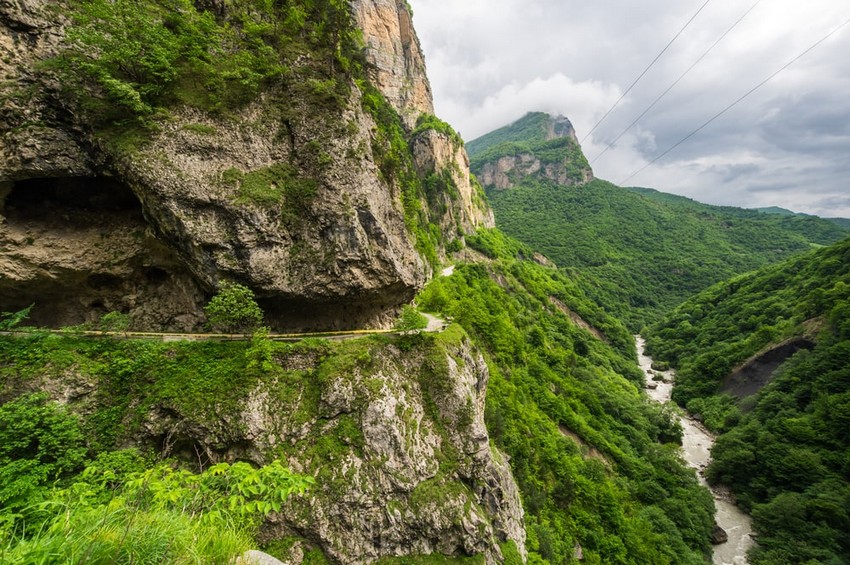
(756, 372)
(79, 247)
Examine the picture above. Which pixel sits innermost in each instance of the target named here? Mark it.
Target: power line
(646, 70)
(736, 102)
(689, 69)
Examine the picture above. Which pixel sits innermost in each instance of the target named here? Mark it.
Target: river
(696, 448)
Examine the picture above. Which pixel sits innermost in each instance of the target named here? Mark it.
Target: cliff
(392, 431)
(300, 184)
(398, 65)
(538, 146)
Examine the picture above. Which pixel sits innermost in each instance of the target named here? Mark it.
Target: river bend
(696, 451)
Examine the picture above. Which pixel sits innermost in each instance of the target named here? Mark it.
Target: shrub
(233, 309)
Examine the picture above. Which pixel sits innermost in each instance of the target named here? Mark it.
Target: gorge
(155, 153)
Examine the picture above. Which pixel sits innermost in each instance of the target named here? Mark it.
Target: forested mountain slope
(390, 428)
(784, 450)
(595, 460)
(643, 251)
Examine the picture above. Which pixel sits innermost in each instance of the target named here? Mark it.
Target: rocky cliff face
(398, 69)
(396, 56)
(553, 154)
(293, 204)
(395, 440)
(438, 155)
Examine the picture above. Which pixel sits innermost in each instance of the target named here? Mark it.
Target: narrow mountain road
(435, 325)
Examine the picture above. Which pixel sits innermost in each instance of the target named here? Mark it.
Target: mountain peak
(561, 126)
(538, 146)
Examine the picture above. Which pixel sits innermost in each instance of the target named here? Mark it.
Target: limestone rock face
(408, 505)
(437, 153)
(503, 173)
(338, 255)
(562, 163)
(396, 442)
(341, 257)
(395, 53)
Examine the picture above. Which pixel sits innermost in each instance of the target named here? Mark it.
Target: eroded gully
(696, 451)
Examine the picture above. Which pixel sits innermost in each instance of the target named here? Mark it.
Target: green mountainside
(563, 368)
(784, 450)
(537, 146)
(643, 251)
(843, 222)
(595, 461)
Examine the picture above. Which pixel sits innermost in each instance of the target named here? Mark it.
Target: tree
(410, 320)
(233, 309)
(115, 322)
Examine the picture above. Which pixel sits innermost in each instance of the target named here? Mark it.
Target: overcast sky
(788, 144)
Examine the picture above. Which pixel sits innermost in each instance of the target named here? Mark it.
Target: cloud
(556, 94)
(492, 61)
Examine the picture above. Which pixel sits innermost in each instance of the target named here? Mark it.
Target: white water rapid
(696, 450)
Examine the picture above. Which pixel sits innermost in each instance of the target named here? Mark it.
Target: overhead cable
(736, 102)
(677, 81)
(646, 70)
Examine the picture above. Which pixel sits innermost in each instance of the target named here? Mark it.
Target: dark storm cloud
(787, 144)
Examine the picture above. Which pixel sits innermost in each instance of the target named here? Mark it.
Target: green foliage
(234, 309)
(113, 514)
(125, 61)
(639, 252)
(10, 320)
(260, 352)
(619, 493)
(531, 128)
(785, 451)
(278, 185)
(114, 322)
(705, 337)
(410, 320)
(429, 122)
(201, 129)
(39, 443)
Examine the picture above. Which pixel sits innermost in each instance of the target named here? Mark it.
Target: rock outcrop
(398, 69)
(323, 242)
(550, 152)
(395, 55)
(505, 172)
(718, 535)
(440, 155)
(756, 372)
(395, 440)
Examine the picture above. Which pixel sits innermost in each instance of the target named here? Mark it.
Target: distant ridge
(537, 145)
(641, 250)
(843, 222)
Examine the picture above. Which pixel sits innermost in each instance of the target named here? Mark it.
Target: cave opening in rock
(79, 248)
(69, 199)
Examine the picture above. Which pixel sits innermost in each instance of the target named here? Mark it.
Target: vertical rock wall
(395, 53)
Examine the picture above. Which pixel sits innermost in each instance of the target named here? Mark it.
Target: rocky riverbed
(696, 450)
